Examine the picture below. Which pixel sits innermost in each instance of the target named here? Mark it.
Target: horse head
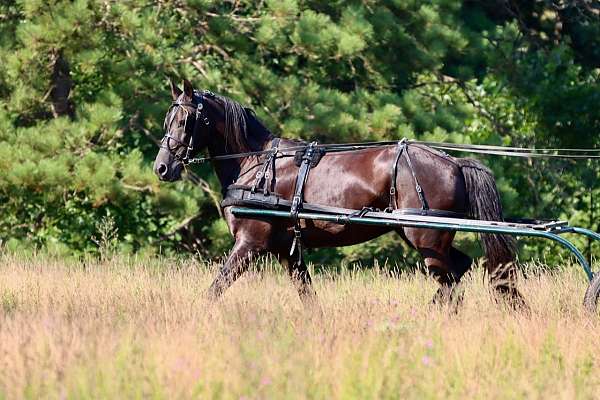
(189, 123)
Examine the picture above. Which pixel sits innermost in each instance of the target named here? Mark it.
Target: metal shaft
(462, 226)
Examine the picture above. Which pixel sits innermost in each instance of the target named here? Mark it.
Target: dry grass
(140, 329)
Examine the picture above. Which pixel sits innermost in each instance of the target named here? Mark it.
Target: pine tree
(83, 91)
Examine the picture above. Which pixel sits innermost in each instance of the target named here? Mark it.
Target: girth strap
(403, 149)
(240, 195)
(298, 198)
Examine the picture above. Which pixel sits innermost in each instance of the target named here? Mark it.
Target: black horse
(351, 179)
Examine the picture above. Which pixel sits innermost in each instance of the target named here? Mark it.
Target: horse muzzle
(168, 171)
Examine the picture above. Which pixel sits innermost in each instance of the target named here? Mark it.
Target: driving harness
(309, 158)
(393, 205)
(261, 193)
(306, 158)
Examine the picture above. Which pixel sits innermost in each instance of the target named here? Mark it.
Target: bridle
(200, 120)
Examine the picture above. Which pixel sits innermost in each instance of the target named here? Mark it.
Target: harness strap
(424, 205)
(240, 195)
(270, 177)
(393, 190)
(403, 149)
(298, 198)
(263, 175)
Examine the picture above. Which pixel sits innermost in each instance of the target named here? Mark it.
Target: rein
(463, 148)
(200, 118)
(515, 151)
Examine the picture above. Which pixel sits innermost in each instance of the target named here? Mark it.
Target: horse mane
(243, 131)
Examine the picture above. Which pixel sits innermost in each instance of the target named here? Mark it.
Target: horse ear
(188, 89)
(175, 91)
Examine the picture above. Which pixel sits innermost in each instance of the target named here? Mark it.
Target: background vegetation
(83, 91)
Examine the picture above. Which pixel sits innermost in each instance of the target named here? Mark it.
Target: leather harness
(401, 149)
(241, 195)
(264, 176)
(298, 199)
(261, 193)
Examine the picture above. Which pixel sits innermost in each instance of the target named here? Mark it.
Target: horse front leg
(237, 263)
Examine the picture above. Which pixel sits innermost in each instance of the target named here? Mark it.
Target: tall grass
(142, 329)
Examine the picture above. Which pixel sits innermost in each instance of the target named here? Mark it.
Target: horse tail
(484, 204)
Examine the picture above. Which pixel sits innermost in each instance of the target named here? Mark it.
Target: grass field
(141, 329)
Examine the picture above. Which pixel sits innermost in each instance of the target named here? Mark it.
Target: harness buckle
(295, 203)
(297, 232)
(296, 243)
(267, 183)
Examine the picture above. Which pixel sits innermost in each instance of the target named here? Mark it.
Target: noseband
(200, 119)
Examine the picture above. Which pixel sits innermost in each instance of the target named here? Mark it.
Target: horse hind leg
(300, 277)
(460, 264)
(502, 270)
(441, 267)
(503, 280)
(445, 263)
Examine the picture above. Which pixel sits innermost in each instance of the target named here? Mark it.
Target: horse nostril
(162, 170)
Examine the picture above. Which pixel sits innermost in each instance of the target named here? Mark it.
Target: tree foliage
(83, 90)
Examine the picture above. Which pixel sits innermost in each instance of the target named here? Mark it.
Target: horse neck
(228, 171)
